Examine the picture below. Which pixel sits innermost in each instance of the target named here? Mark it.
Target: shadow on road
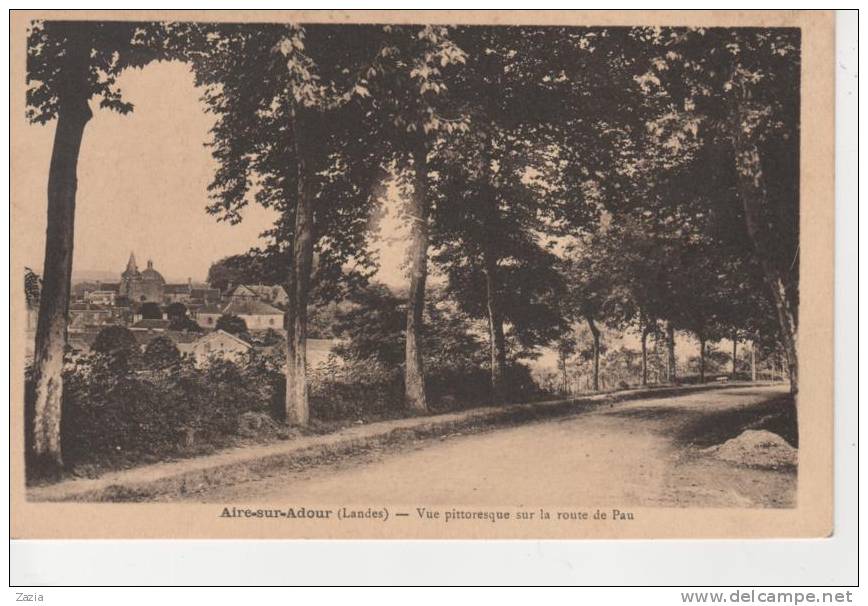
(704, 427)
(777, 416)
(742, 393)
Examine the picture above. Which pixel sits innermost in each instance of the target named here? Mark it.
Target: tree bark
(497, 342)
(51, 331)
(297, 405)
(644, 356)
(414, 369)
(670, 348)
(702, 358)
(754, 197)
(753, 361)
(734, 354)
(595, 332)
(490, 218)
(788, 320)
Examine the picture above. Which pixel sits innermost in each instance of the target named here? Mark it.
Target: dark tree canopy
(161, 353)
(151, 311)
(373, 327)
(176, 311)
(119, 346)
(184, 324)
(231, 324)
(112, 46)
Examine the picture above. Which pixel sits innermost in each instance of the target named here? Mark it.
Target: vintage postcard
(400, 274)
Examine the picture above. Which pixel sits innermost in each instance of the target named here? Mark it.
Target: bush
(184, 324)
(232, 324)
(369, 389)
(116, 415)
(360, 389)
(119, 347)
(119, 418)
(161, 353)
(269, 337)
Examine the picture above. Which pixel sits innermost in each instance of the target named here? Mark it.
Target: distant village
(187, 313)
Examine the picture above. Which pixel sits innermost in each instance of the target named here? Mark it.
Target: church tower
(129, 279)
(131, 269)
(142, 286)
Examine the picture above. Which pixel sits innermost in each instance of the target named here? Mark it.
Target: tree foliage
(119, 347)
(151, 311)
(231, 324)
(176, 311)
(161, 353)
(372, 327)
(32, 287)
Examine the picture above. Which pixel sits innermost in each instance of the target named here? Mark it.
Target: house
(207, 315)
(101, 297)
(183, 340)
(84, 315)
(190, 293)
(270, 294)
(204, 295)
(217, 344)
(151, 325)
(177, 293)
(256, 314)
(80, 290)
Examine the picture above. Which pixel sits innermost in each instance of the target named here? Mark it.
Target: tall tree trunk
(734, 354)
(595, 332)
(701, 358)
(787, 317)
(491, 219)
(753, 361)
(497, 342)
(670, 348)
(51, 330)
(754, 198)
(297, 405)
(644, 355)
(785, 308)
(414, 369)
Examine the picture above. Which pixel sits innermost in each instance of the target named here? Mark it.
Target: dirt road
(643, 453)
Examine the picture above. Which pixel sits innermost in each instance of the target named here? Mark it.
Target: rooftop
(251, 308)
(151, 324)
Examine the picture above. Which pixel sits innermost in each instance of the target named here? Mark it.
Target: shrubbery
(367, 389)
(371, 381)
(361, 389)
(119, 416)
(122, 407)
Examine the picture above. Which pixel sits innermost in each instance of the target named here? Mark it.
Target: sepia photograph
(377, 275)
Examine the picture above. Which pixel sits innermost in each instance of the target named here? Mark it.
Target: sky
(143, 182)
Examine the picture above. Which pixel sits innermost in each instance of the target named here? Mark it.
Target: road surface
(642, 453)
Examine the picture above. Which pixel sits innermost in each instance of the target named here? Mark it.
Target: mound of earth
(757, 448)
